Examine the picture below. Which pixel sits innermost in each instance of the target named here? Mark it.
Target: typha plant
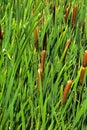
(67, 43)
(40, 70)
(82, 74)
(66, 91)
(85, 59)
(39, 78)
(66, 48)
(74, 15)
(66, 13)
(42, 59)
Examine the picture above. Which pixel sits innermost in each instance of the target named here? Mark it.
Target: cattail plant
(85, 59)
(39, 78)
(67, 43)
(67, 13)
(74, 15)
(36, 38)
(40, 70)
(66, 47)
(66, 90)
(82, 74)
(42, 60)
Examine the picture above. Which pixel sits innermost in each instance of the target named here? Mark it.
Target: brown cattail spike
(67, 43)
(85, 59)
(67, 13)
(42, 59)
(40, 70)
(74, 15)
(36, 38)
(66, 90)
(82, 74)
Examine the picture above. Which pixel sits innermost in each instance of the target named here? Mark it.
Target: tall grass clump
(43, 65)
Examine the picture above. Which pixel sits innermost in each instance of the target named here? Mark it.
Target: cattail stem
(82, 74)
(66, 90)
(67, 13)
(85, 59)
(74, 15)
(39, 78)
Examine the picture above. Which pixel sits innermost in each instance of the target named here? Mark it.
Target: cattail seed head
(82, 74)
(66, 90)
(67, 43)
(74, 15)
(85, 59)
(67, 13)
(43, 59)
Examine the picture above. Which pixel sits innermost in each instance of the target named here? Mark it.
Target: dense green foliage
(22, 106)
